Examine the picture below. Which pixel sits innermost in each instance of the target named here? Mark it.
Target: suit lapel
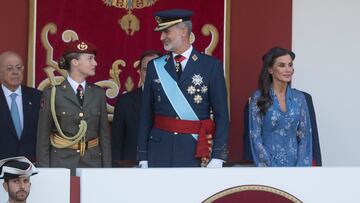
(6, 113)
(190, 66)
(89, 95)
(27, 108)
(69, 93)
(137, 99)
(170, 66)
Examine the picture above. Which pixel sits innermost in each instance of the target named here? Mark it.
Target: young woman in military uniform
(73, 129)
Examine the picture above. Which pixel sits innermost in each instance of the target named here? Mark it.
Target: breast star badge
(197, 79)
(198, 99)
(191, 90)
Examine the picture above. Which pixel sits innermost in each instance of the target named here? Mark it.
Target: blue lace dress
(281, 138)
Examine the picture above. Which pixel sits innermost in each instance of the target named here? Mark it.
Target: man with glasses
(19, 109)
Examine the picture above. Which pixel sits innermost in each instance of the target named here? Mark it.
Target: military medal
(204, 89)
(177, 66)
(191, 90)
(197, 79)
(81, 95)
(198, 99)
(196, 88)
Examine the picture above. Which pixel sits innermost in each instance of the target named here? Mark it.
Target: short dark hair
(148, 53)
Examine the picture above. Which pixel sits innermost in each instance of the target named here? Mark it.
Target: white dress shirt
(75, 84)
(186, 54)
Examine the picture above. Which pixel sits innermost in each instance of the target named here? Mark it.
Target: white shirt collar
(7, 92)
(75, 84)
(186, 54)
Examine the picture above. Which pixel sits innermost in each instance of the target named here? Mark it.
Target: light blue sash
(174, 94)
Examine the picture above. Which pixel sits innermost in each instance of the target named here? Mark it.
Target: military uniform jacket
(203, 85)
(68, 113)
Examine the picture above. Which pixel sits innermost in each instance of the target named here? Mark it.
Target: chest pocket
(67, 120)
(93, 119)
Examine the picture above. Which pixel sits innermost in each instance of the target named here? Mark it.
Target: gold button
(175, 133)
(81, 114)
(177, 117)
(63, 113)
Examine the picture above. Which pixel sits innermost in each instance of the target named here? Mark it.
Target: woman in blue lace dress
(279, 123)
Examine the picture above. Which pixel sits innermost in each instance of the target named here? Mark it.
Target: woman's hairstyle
(265, 78)
(64, 61)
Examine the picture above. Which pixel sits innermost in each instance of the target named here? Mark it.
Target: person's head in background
(11, 70)
(16, 173)
(146, 56)
(78, 59)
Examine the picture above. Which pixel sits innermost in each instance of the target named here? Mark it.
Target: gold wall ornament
(206, 30)
(129, 22)
(112, 90)
(69, 35)
(48, 28)
(114, 72)
(135, 65)
(52, 79)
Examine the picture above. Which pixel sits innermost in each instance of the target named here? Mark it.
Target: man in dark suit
(19, 109)
(247, 156)
(180, 90)
(124, 127)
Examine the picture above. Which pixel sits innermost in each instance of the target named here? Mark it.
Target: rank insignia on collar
(194, 57)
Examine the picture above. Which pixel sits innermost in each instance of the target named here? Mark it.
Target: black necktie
(178, 67)
(80, 94)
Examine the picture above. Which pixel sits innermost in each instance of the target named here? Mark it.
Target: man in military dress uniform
(181, 89)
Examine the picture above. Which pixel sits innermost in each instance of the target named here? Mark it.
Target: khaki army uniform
(69, 113)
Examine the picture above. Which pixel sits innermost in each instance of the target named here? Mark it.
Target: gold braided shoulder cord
(73, 140)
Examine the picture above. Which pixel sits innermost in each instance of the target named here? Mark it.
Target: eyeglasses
(11, 68)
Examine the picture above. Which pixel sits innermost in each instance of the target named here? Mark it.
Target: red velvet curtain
(97, 21)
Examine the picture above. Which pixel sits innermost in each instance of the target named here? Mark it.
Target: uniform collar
(75, 84)
(186, 53)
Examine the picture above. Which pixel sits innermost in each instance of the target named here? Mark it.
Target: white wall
(326, 40)
(178, 185)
